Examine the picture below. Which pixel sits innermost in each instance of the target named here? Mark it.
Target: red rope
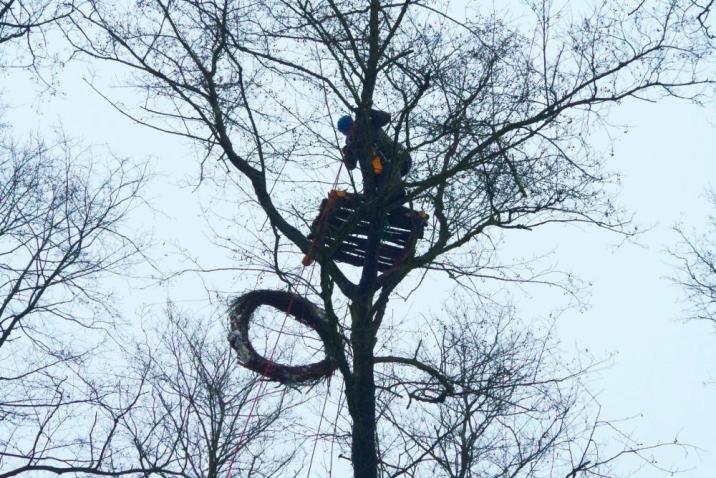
(325, 212)
(264, 384)
(335, 427)
(262, 387)
(320, 422)
(318, 433)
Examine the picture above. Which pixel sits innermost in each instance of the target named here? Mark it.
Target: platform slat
(402, 230)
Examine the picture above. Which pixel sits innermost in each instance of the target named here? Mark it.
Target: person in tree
(384, 152)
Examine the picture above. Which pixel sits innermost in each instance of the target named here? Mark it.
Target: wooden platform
(402, 230)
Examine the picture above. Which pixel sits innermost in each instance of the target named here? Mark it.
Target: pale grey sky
(659, 365)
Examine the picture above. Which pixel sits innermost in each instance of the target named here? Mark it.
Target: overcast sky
(660, 364)
(657, 366)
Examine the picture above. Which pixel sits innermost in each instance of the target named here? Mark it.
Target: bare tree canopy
(61, 234)
(696, 257)
(496, 113)
(23, 28)
(60, 228)
(190, 418)
(177, 409)
(496, 109)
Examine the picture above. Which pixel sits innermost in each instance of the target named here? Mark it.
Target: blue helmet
(344, 122)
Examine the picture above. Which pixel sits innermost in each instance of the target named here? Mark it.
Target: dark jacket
(384, 146)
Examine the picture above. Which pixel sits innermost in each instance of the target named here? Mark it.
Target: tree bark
(364, 450)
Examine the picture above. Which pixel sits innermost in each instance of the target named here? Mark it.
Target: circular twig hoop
(240, 312)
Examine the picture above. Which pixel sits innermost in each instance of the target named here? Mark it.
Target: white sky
(658, 365)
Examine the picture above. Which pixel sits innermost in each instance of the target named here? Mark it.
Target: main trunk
(364, 452)
(361, 393)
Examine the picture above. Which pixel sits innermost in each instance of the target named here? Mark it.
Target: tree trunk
(362, 393)
(364, 447)
(364, 451)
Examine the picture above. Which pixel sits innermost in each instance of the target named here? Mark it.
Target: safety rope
(320, 423)
(264, 384)
(318, 433)
(335, 427)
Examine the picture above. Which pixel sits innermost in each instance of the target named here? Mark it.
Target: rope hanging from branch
(338, 227)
